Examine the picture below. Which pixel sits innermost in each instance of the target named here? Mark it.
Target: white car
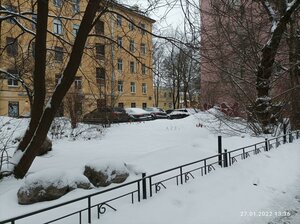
(138, 114)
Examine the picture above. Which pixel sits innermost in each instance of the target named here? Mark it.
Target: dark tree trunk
(68, 77)
(39, 91)
(294, 57)
(263, 104)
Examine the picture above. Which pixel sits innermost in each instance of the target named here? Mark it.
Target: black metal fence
(96, 204)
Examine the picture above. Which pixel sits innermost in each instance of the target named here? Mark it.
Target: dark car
(138, 114)
(106, 115)
(157, 113)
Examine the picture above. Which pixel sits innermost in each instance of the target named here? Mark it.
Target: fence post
(144, 188)
(220, 150)
(225, 158)
(284, 132)
(89, 210)
(290, 137)
(181, 177)
(266, 144)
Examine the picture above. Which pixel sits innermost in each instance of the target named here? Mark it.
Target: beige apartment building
(116, 68)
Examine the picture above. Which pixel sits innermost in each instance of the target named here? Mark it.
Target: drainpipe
(113, 65)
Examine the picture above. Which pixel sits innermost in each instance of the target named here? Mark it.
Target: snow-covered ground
(261, 189)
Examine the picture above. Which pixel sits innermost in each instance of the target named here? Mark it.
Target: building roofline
(132, 10)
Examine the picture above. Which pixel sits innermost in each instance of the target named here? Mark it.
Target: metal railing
(152, 184)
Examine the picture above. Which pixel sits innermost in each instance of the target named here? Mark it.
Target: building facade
(116, 68)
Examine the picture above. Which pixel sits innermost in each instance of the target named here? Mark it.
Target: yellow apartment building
(116, 68)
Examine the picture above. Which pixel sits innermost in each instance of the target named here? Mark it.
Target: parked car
(182, 113)
(138, 114)
(169, 111)
(157, 113)
(106, 115)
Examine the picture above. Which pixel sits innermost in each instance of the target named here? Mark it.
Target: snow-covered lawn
(267, 184)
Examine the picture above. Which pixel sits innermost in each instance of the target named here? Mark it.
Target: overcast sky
(167, 13)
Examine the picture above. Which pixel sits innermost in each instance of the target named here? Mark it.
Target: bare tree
(242, 43)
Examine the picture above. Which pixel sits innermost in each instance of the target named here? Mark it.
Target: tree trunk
(39, 91)
(263, 104)
(68, 77)
(294, 57)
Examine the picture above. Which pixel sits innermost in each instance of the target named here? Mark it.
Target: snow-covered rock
(102, 173)
(49, 185)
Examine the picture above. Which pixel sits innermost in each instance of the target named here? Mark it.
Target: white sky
(167, 17)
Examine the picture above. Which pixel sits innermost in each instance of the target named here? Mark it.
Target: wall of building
(88, 88)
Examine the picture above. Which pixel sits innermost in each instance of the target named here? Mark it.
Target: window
(120, 42)
(144, 88)
(132, 87)
(120, 65)
(100, 76)
(57, 26)
(78, 82)
(144, 105)
(78, 107)
(58, 54)
(143, 69)
(133, 105)
(132, 67)
(13, 9)
(119, 20)
(121, 105)
(13, 109)
(131, 26)
(75, 29)
(57, 3)
(12, 46)
(12, 82)
(100, 50)
(143, 29)
(99, 27)
(34, 20)
(143, 48)
(76, 6)
(120, 86)
(131, 45)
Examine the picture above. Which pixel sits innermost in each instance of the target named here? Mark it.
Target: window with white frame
(11, 81)
(58, 54)
(34, 20)
(57, 3)
(120, 86)
(143, 69)
(143, 48)
(119, 20)
(78, 82)
(132, 87)
(132, 66)
(131, 26)
(144, 88)
(75, 29)
(131, 46)
(143, 28)
(120, 42)
(120, 65)
(76, 6)
(57, 26)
